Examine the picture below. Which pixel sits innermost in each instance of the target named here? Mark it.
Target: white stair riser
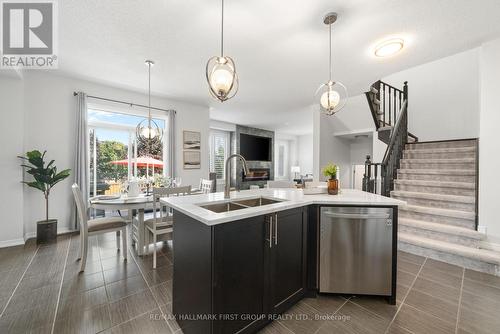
(451, 258)
(437, 165)
(461, 222)
(435, 190)
(437, 177)
(438, 155)
(435, 203)
(457, 239)
(448, 144)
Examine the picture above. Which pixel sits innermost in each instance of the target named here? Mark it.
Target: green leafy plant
(45, 176)
(330, 171)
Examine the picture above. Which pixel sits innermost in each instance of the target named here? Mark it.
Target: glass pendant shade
(148, 131)
(332, 97)
(222, 78)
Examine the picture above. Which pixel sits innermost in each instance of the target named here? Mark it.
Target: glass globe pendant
(333, 94)
(221, 72)
(148, 131)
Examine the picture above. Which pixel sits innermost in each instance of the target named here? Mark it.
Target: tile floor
(42, 292)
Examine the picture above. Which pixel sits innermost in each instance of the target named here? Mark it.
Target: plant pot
(333, 186)
(46, 231)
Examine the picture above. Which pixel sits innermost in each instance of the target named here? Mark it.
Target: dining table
(123, 202)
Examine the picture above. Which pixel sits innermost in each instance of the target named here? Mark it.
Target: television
(255, 148)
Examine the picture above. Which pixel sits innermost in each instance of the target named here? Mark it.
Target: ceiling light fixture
(389, 47)
(147, 130)
(221, 72)
(333, 94)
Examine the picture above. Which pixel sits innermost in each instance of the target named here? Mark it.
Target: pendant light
(221, 72)
(148, 131)
(333, 94)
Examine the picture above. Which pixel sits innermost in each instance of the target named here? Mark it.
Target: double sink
(239, 204)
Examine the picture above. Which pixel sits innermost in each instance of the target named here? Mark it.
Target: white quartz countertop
(290, 198)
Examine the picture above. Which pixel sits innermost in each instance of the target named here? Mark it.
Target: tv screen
(255, 148)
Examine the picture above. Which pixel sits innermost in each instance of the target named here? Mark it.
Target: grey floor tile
(401, 292)
(438, 290)
(441, 277)
(167, 312)
(445, 267)
(483, 278)
(159, 275)
(275, 328)
(163, 292)
(377, 305)
(487, 306)
(125, 287)
(409, 267)
(151, 323)
(325, 303)
(420, 322)
(300, 319)
(78, 303)
(442, 309)
(481, 290)
(477, 322)
(46, 295)
(405, 278)
(89, 321)
(29, 321)
(411, 257)
(394, 329)
(130, 307)
(81, 283)
(121, 272)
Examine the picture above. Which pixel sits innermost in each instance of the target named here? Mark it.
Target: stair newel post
(367, 176)
(382, 87)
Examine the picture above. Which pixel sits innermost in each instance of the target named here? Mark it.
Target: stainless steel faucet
(227, 186)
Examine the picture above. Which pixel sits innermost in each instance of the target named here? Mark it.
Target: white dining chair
(280, 184)
(206, 186)
(90, 227)
(162, 220)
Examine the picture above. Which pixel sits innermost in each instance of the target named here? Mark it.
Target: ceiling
(280, 47)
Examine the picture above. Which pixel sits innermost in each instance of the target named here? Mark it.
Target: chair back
(206, 186)
(81, 207)
(280, 184)
(159, 192)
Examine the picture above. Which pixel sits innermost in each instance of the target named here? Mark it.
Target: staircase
(438, 182)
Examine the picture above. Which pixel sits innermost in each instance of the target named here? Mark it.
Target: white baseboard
(30, 235)
(10, 243)
(490, 245)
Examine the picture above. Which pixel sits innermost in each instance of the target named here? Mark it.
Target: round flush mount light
(389, 47)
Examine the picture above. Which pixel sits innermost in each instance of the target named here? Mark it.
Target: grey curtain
(171, 143)
(81, 168)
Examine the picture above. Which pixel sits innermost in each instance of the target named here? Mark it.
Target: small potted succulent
(330, 171)
(45, 176)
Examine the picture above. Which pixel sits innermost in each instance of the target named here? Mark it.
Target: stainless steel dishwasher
(356, 250)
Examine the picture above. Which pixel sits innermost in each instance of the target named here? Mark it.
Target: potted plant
(45, 177)
(330, 171)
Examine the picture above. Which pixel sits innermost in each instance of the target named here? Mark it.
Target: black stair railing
(387, 170)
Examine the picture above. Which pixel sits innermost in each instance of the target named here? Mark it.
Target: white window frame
(93, 125)
(226, 135)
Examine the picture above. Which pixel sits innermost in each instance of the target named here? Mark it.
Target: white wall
(11, 139)
(49, 122)
(443, 97)
(489, 142)
(305, 153)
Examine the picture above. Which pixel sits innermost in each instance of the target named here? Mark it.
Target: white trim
(489, 245)
(10, 243)
(354, 132)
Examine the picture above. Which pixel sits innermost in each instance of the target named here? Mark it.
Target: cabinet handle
(270, 232)
(275, 228)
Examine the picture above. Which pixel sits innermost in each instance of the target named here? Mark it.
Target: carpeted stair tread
(436, 197)
(470, 172)
(448, 184)
(442, 228)
(478, 254)
(443, 161)
(439, 212)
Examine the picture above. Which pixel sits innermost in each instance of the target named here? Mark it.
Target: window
(219, 152)
(282, 165)
(115, 155)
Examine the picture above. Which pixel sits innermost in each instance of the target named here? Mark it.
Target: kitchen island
(240, 262)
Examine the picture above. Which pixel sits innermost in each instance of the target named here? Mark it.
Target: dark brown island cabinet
(238, 276)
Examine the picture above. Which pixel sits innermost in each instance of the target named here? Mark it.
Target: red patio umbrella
(140, 162)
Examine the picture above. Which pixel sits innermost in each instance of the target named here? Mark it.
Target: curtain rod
(123, 102)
